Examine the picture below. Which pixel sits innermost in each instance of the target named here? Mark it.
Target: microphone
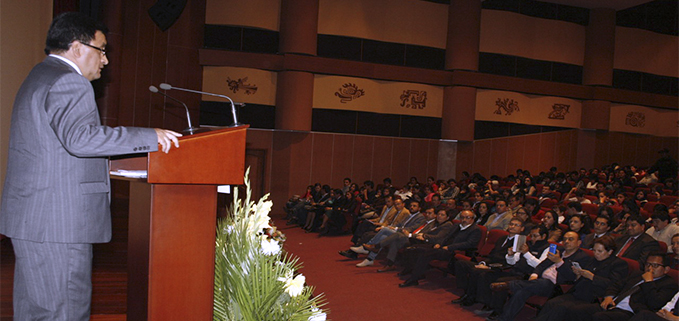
(189, 130)
(165, 86)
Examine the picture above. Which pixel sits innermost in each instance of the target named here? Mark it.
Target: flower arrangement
(254, 279)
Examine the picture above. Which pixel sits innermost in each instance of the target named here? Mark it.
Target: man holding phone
(550, 274)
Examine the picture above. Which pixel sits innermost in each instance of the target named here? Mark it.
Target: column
(462, 53)
(294, 89)
(598, 65)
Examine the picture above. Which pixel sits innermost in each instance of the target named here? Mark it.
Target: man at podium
(55, 201)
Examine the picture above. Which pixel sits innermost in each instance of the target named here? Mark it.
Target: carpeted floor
(363, 294)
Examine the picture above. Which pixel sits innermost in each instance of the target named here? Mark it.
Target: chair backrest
(591, 198)
(663, 246)
(674, 274)
(493, 236)
(652, 198)
(591, 209)
(548, 203)
(632, 265)
(668, 199)
(648, 207)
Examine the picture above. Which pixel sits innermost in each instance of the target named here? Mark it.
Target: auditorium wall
(23, 26)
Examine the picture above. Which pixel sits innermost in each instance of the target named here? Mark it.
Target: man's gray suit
(57, 185)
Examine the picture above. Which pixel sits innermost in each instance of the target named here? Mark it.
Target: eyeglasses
(102, 50)
(654, 265)
(467, 217)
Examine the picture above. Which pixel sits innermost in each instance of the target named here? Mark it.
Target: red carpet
(363, 294)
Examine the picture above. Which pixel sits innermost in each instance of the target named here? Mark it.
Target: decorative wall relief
(414, 99)
(635, 119)
(508, 105)
(349, 92)
(559, 111)
(236, 85)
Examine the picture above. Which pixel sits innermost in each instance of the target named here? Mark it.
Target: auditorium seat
(668, 199)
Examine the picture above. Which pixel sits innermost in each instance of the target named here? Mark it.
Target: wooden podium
(172, 221)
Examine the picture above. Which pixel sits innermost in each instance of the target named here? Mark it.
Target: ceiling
(591, 4)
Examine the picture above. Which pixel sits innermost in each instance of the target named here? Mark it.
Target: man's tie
(419, 228)
(627, 293)
(626, 246)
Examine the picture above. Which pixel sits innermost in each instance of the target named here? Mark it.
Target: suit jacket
(497, 254)
(651, 296)
(389, 216)
(639, 249)
(465, 240)
(438, 233)
(565, 274)
(399, 217)
(57, 186)
(414, 222)
(606, 272)
(588, 241)
(498, 221)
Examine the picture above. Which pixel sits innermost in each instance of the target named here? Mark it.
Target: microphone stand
(233, 105)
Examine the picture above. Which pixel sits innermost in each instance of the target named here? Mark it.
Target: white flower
(293, 287)
(317, 315)
(270, 247)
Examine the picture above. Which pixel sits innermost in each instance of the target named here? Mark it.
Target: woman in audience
(640, 197)
(579, 223)
(549, 221)
(333, 219)
(560, 211)
(528, 187)
(482, 213)
(593, 279)
(621, 228)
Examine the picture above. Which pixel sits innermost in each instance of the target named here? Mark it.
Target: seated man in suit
(387, 214)
(468, 272)
(522, 263)
(602, 225)
(636, 245)
(411, 222)
(593, 280)
(465, 236)
(434, 231)
(669, 312)
(649, 290)
(392, 213)
(554, 271)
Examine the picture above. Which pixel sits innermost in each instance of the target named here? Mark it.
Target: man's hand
(667, 315)
(555, 258)
(419, 237)
(524, 248)
(166, 138)
(437, 246)
(607, 303)
(533, 277)
(648, 276)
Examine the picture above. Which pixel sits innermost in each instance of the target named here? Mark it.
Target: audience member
(662, 230)
(636, 245)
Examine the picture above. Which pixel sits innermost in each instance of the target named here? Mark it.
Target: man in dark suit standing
(55, 201)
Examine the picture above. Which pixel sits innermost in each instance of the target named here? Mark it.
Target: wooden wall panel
(321, 154)
(419, 153)
(531, 157)
(262, 140)
(482, 156)
(547, 151)
(433, 159)
(383, 155)
(465, 158)
(342, 156)
(561, 150)
(498, 159)
(516, 147)
(400, 171)
(362, 160)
